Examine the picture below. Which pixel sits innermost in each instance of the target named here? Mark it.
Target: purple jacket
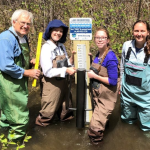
(111, 63)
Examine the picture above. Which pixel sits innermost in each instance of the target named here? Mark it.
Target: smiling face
(140, 33)
(56, 34)
(101, 39)
(22, 25)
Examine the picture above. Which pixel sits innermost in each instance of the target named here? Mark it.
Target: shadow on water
(65, 135)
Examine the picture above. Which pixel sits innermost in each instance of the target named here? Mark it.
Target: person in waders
(105, 85)
(55, 66)
(135, 77)
(14, 73)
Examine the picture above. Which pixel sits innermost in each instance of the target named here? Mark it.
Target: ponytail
(147, 48)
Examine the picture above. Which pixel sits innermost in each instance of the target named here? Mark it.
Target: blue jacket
(56, 24)
(9, 49)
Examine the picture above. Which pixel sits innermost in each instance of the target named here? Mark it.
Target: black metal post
(80, 98)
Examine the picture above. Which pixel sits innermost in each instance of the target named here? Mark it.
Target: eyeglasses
(24, 23)
(100, 38)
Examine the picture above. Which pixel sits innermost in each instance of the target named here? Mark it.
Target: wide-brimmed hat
(56, 24)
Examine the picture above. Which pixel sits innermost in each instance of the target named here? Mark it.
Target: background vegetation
(117, 15)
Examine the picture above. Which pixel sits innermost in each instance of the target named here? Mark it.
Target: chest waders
(104, 97)
(14, 98)
(59, 62)
(54, 95)
(135, 92)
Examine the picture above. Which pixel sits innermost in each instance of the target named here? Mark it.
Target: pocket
(135, 74)
(62, 63)
(134, 80)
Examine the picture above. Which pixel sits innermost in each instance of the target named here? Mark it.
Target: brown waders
(104, 99)
(55, 95)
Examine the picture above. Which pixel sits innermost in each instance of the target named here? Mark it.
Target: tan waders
(55, 95)
(104, 98)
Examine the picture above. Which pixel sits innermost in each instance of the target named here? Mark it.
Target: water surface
(65, 135)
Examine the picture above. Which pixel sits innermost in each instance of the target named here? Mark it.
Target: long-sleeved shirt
(9, 49)
(47, 56)
(111, 63)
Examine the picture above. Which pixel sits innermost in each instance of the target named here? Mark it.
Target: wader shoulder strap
(61, 47)
(23, 61)
(146, 59)
(27, 42)
(105, 53)
(129, 52)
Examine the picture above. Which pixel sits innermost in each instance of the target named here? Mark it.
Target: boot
(67, 116)
(41, 121)
(96, 138)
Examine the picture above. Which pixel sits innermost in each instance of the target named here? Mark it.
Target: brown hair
(147, 47)
(141, 21)
(147, 27)
(108, 45)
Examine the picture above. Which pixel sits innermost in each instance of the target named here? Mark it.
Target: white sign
(80, 28)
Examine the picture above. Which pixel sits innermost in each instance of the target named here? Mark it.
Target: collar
(21, 39)
(54, 46)
(132, 45)
(13, 30)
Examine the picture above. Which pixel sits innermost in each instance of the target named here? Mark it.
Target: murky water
(65, 135)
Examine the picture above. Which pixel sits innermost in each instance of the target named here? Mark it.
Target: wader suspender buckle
(129, 52)
(23, 61)
(55, 52)
(104, 55)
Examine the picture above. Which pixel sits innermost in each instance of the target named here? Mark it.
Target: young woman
(104, 76)
(135, 74)
(54, 62)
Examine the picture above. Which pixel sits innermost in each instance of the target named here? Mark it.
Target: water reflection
(65, 135)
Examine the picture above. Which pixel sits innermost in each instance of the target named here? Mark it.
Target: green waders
(14, 98)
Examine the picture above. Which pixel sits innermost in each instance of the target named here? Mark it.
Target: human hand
(72, 57)
(34, 73)
(91, 74)
(71, 70)
(33, 61)
(73, 52)
(90, 54)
